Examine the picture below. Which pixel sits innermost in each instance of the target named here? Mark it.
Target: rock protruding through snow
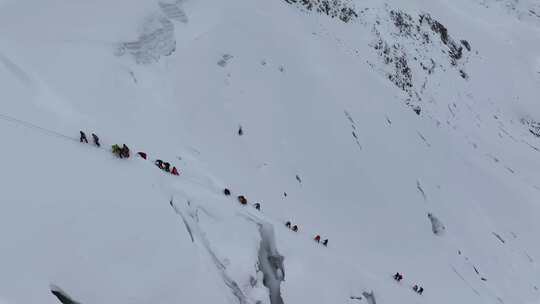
(437, 226)
(155, 41)
(62, 296)
(174, 11)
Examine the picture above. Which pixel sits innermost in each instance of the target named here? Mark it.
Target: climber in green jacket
(116, 150)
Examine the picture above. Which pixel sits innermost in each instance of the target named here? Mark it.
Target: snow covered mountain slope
(407, 133)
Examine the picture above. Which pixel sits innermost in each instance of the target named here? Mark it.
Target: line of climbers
(165, 166)
(317, 237)
(318, 240)
(418, 289)
(293, 228)
(243, 201)
(123, 152)
(95, 138)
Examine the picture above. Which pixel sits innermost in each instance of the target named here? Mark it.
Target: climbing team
(124, 152)
(418, 289)
(244, 201)
(165, 166)
(84, 139)
(293, 228)
(318, 240)
(241, 199)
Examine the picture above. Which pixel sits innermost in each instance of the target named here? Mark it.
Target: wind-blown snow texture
(358, 119)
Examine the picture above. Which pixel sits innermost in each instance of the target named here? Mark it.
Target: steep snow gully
(196, 233)
(271, 263)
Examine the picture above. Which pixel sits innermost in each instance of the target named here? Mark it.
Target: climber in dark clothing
(96, 139)
(142, 155)
(167, 167)
(398, 277)
(295, 228)
(257, 206)
(325, 243)
(415, 288)
(288, 224)
(125, 151)
(227, 192)
(420, 290)
(159, 163)
(83, 137)
(242, 199)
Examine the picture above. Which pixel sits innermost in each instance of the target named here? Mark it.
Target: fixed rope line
(33, 126)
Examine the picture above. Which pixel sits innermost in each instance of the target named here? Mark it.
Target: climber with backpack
(295, 228)
(257, 206)
(142, 155)
(83, 137)
(227, 192)
(325, 243)
(420, 290)
(96, 140)
(242, 199)
(167, 167)
(125, 151)
(288, 224)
